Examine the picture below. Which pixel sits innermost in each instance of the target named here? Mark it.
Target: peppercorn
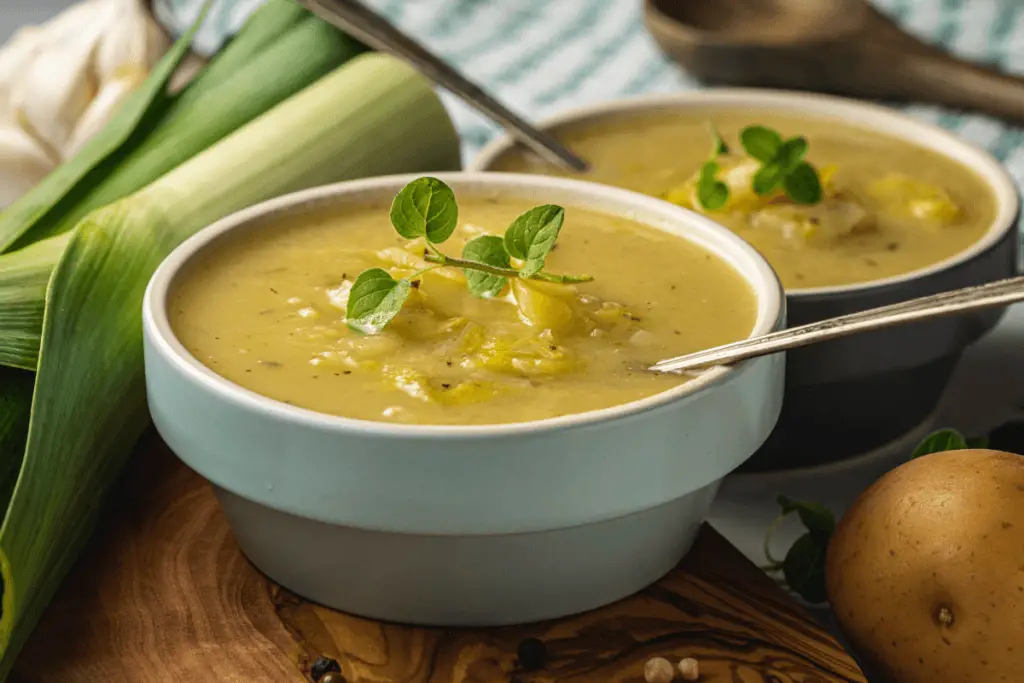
(532, 654)
(689, 669)
(323, 666)
(659, 670)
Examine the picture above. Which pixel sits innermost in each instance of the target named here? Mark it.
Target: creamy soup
(888, 207)
(265, 309)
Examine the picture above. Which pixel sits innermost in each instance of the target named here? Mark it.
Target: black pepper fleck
(273, 290)
(448, 363)
(323, 666)
(893, 246)
(445, 385)
(553, 347)
(532, 654)
(415, 284)
(348, 372)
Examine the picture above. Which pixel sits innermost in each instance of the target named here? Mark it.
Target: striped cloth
(543, 56)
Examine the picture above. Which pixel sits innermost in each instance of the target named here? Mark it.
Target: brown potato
(925, 572)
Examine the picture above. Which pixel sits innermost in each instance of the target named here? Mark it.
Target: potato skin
(925, 573)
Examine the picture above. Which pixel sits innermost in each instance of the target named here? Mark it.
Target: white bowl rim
(811, 104)
(761, 278)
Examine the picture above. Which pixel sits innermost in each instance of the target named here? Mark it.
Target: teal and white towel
(543, 56)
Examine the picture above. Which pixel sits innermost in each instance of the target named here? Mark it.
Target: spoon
(836, 46)
(998, 293)
(366, 25)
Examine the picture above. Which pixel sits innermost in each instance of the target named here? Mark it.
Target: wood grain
(165, 596)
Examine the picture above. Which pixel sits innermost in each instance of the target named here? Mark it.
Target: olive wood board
(163, 595)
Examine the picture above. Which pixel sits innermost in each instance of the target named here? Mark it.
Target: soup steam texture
(265, 308)
(890, 207)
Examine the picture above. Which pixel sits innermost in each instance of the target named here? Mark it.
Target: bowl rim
(160, 338)
(866, 115)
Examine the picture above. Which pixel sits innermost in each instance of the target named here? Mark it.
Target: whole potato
(925, 572)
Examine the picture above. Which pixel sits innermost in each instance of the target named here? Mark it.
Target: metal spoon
(999, 293)
(366, 25)
(836, 46)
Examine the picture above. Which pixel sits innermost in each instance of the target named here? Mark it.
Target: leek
(372, 116)
(282, 47)
(23, 279)
(286, 49)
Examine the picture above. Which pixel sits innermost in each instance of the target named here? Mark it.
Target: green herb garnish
(782, 165)
(426, 208)
(712, 193)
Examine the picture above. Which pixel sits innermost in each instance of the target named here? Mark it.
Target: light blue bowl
(467, 525)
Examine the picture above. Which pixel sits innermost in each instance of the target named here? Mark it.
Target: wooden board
(164, 596)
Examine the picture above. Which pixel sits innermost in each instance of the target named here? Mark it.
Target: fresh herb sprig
(426, 208)
(803, 567)
(712, 192)
(783, 165)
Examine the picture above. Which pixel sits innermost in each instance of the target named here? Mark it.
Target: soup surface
(889, 207)
(266, 310)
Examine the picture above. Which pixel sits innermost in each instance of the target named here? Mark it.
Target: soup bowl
(465, 525)
(852, 395)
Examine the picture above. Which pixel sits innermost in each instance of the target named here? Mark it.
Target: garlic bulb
(60, 82)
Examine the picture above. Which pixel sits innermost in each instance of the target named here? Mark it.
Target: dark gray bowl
(852, 395)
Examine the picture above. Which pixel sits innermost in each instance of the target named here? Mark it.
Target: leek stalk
(282, 48)
(372, 116)
(286, 49)
(23, 279)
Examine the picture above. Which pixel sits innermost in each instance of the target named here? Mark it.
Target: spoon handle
(999, 293)
(935, 76)
(366, 25)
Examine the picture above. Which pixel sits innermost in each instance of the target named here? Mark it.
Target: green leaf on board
(804, 568)
(942, 440)
(816, 517)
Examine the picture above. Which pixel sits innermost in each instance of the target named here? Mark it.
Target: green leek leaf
(374, 116)
(144, 104)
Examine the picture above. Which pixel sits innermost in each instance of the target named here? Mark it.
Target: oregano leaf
(711, 192)
(374, 300)
(804, 568)
(489, 250)
(532, 236)
(803, 185)
(718, 144)
(426, 207)
(760, 142)
(790, 153)
(942, 440)
(768, 178)
(816, 517)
